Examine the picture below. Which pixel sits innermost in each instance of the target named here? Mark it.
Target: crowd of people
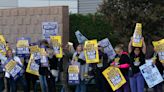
(51, 72)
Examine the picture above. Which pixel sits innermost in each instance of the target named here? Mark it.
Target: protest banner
(81, 38)
(114, 77)
(57, 45)
(137, 36)
(49, 29)
(108, 48)
(73, 74)
(22, 46)
(14, 69)
(159, 47)
(151, 74)
(2, 45)
(91, 51)
(32, 66)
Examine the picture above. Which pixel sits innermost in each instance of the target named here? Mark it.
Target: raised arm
(130, 46)
(144, 46)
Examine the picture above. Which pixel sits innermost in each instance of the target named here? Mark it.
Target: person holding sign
(160, 66)
(43, 66)
(137, 57)
(31, 65)
(97, 69)
(122, 61)
(81, 87)
(20, 79)
(55, 68)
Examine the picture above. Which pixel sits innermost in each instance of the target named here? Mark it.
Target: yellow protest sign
(22, 43)
(32, 67)
(10, 65)
(159, 47)
(73, 69)
(34, 49)
(91, 51)
(137, 36)
(114, 77)
(2, 39)
(57, 41)
(2, 45)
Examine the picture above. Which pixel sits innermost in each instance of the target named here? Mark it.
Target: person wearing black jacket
(137, 58)
(98, 68)
(160, 67)
(2, 85)
(55, 68)
(79, 59)
(122, 61)
(43, 66)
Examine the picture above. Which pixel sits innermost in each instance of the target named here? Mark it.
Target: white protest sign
(49, 29)
(108, 49)
(151, 74)
(81, 38)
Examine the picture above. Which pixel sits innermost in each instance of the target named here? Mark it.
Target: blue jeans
(13, 84)
(137, 83)
(81, 87)
(43, 83)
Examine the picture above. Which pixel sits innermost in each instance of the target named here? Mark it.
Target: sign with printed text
(49, 29)
(14, 69)
(23, 46)
(108, 48)
(57, 42)
(35, 50)
(73, 74)
(114, 77)
(137, 36)
(91, 51)
(151, 74)
(159, 47)
(32, 66)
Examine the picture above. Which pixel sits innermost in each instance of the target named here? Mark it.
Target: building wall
(8, 3)
(72, 4)
(27, 22)
(88, 6)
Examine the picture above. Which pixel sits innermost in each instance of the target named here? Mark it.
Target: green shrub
(92, 26)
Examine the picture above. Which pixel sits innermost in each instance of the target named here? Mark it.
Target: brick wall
(27, 22)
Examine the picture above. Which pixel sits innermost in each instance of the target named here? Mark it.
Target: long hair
(132, 54)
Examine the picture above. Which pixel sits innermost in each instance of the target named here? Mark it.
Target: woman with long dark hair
(137, 57)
